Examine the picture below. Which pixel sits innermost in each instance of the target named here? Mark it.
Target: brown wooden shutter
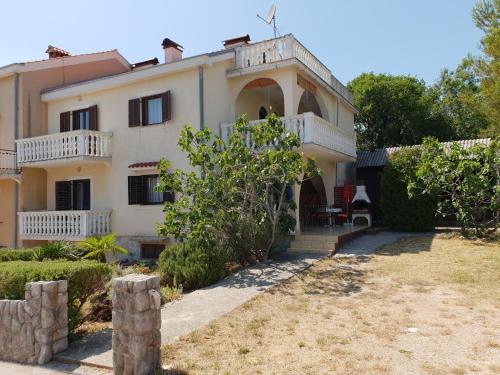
(135, 190)
(166, 106)
(134, 112)
(93, 117)
(63, 196)
(65, 122)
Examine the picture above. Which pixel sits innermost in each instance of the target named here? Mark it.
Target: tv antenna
(271, 18)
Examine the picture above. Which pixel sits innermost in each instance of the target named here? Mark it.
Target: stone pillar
(33, 330)
(136, 324)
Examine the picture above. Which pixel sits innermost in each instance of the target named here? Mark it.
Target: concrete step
(316, 237)
(309, 251)
(316, 244)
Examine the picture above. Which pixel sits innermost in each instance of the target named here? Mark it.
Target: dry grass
(351, 316)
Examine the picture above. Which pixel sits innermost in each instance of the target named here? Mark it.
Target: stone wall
(33, 330)
(136, 324)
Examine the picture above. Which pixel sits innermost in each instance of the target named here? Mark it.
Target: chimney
(55, 52)
(173, 51)
(235, 42)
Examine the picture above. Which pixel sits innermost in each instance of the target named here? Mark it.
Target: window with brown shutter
(65, 122)
(134, 112)
(63, 196)
(166, 106)
(151, 250)
(93, 117)
(135, 191)
(142, 190)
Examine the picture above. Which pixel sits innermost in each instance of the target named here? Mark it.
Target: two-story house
(105, 136)
(24, 115)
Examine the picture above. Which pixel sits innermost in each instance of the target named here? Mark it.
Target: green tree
(486, 15)
(457, 99)
(98, 247)
(236, 194)
(464, 180)
(394, 110)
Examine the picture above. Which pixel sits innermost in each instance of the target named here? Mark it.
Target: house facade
(24, 115)
(105, 136)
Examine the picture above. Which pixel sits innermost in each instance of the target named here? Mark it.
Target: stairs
(318, 243)
(314, 243)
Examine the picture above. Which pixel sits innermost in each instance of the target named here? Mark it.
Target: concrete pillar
(136, 324)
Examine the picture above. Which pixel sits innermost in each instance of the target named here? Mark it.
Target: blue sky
(417, 37)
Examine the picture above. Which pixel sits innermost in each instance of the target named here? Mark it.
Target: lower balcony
(64, 148)
(8, 165)
(318, 136)
(64, 225)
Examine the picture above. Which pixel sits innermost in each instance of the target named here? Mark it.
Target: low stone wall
(33, 330)
(136, 324)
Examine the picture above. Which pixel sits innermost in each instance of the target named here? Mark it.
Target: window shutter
(135, 190)
(63, 195)
(93, 117)
(64, 122)
(169, 196)
(166, 106)
(134, 110)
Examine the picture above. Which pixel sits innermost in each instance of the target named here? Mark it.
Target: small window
(152, 196)
(153, 110)
(81, 119)
(151, 250)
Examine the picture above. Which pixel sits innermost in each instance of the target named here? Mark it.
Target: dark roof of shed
(378, 158)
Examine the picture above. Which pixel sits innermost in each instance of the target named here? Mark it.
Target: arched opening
(259, 98)
(309, 103)
(312, 199)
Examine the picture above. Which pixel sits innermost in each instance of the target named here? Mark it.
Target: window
(151, 250)
(82, 119)
(73, 195)
(149, 110)
(152, 110)
(141, 190)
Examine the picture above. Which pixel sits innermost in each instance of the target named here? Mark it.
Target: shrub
(192, 264)
(7, 255)
(84, 279)
(55, 250)
(169, 294)
(399, 211)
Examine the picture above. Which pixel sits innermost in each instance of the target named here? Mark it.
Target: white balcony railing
(78, 143)
(285, 48)
(8, 162)
(61, 225)
(310, 129)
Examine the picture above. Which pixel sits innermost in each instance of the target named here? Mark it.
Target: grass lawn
(424, 305)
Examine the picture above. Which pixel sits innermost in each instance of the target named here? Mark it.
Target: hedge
(84, 279)
(400, 212)
(7, 255)
(192, 264)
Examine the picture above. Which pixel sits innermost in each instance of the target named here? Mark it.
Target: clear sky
(417, 37)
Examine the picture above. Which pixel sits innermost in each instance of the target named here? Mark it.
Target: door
(73, 195)
(81, 195)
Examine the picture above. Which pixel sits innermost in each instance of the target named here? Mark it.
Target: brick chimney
(235, 42)
(173, 51)
(55, 52)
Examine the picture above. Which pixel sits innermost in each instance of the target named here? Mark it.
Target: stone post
(136, 324)
(33, 330)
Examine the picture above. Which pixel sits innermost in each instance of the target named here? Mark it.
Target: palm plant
(98, 247)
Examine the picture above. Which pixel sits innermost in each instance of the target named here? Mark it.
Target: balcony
(64, 225)
(281, 51)
(64, 148)
(316, 135)
(8, 165)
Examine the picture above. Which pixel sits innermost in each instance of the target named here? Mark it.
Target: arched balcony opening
(260, 98)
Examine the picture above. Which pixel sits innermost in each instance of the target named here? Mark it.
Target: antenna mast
(271, 17)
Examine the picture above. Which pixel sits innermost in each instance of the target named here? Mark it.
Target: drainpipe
(15, 123)
(201, 97)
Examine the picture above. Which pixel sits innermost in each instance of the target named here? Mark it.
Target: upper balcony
(64, 148)
(318, 136)
(280, 52)
(8, 165)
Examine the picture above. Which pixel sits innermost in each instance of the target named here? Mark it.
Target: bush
(192, 264)
(399, 211)
(7, 255)
(84, 279)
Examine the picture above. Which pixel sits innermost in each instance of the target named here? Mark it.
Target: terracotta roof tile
(144, 164)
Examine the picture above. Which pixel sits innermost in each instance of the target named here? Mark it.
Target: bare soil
(423, 305)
